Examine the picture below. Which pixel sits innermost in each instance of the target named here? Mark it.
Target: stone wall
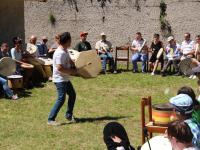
(12, 20)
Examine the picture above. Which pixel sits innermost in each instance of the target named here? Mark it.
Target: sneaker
(194, 77)
(53, 123)
(14, 97)
(190, 77)
(115, 72)
(152, 73)
(71, 119)
(135, 71)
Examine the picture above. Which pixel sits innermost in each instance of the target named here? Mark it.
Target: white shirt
(106, 45)
(191, 148)
(138, 43)
(187, 46)
(60, 57)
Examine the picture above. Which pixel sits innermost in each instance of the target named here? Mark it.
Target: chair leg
(143, 137)
(151, 134)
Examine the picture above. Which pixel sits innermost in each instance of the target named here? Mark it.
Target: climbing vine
(164, 24)
(52, 19)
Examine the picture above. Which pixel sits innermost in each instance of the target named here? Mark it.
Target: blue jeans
(107, 56)
(139, 57)
(6, 89)
(63, 88)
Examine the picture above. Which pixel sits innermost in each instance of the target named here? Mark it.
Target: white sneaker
(14, 97)
(194, 77)
(71, 119)
(53, 123)
(191, 77)
(152, 73)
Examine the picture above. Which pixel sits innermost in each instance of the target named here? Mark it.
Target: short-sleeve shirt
(106, 45)
(83, 46)
(60, 57)
(42, 48)
(156, 47)
(16, 55)
(176, 51)
(187, 46)
(138, 43)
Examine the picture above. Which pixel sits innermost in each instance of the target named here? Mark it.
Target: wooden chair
(151, 128)
(122, 58)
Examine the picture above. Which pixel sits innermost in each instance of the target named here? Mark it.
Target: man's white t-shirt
(187, 46)
(60, 57)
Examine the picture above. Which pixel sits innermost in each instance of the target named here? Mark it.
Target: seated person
(83, 44)
(197, 48)
(104, 49)
(42, 47)
(187, 47)
(4, 52)
(139, 49)
(33, 54)
(156, 45)
(53, 48)
(7, 90)
(173, 56)
(115, 137)
(180, 136)
(17, 54)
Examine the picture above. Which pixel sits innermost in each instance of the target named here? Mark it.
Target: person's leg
(166, 65)
(175, 64)
(111, 62)
(104, 59)
(135, 58)
(155, 67)
(144, 61)
(71, 100)
(61, 90)
(6, 89)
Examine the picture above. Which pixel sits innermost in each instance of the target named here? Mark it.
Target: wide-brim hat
(7, 66)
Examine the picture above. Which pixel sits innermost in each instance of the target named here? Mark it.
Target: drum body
(162, 114)
(15, 81)
(47, 70)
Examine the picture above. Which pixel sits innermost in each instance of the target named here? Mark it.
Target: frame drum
(162, 114)
(15, 81)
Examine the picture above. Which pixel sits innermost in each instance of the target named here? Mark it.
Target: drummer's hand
(165, 134)
(116, 139)
(74, 71)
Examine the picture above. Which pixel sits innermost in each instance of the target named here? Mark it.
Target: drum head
(88, 64)
(7, 66)
(45, 61)
(14, 77)
(73, 54)
(27, 66)
(164, 107)
(186, 66)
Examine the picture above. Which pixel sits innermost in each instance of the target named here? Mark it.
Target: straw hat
(7, 66)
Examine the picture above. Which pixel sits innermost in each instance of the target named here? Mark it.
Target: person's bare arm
(70, 71)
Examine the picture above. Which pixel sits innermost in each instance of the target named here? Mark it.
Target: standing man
(104, 49)
(187, 47)
(173, 56)
(139, 49)
(83, 44)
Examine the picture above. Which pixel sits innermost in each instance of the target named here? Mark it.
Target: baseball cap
(170, 38)
(83, 33)
(103, 34)
(182, 104)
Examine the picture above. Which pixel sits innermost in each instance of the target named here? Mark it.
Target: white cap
(170, 38)
(103, 34)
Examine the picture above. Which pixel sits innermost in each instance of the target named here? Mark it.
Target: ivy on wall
(164, 24)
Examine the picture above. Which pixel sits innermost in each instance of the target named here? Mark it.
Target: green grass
(99, 101)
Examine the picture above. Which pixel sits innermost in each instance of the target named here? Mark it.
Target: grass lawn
(23, 123)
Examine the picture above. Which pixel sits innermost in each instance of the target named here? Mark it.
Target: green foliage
(52, 19)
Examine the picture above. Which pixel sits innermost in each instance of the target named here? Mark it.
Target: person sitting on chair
(4, 52)
(83, 45)
(42, 47)
(104, 49)
(197, 48)
(180, 136)
(173, 56)
(115, 137)
(156, 45)
(187, 47)
(139, 49)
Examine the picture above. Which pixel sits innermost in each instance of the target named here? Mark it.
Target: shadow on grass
(84, 120)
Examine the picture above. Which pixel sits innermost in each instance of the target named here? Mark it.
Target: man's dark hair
(63, 38)
(139, 33)
(181, 131)
(156, 35)
(188, 34)
(190, 92)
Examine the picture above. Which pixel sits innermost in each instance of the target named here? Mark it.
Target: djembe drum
(186, 66)
(47, 65)
(15, 81)
(162, 114)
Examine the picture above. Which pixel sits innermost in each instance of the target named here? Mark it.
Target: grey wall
(12, 20)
